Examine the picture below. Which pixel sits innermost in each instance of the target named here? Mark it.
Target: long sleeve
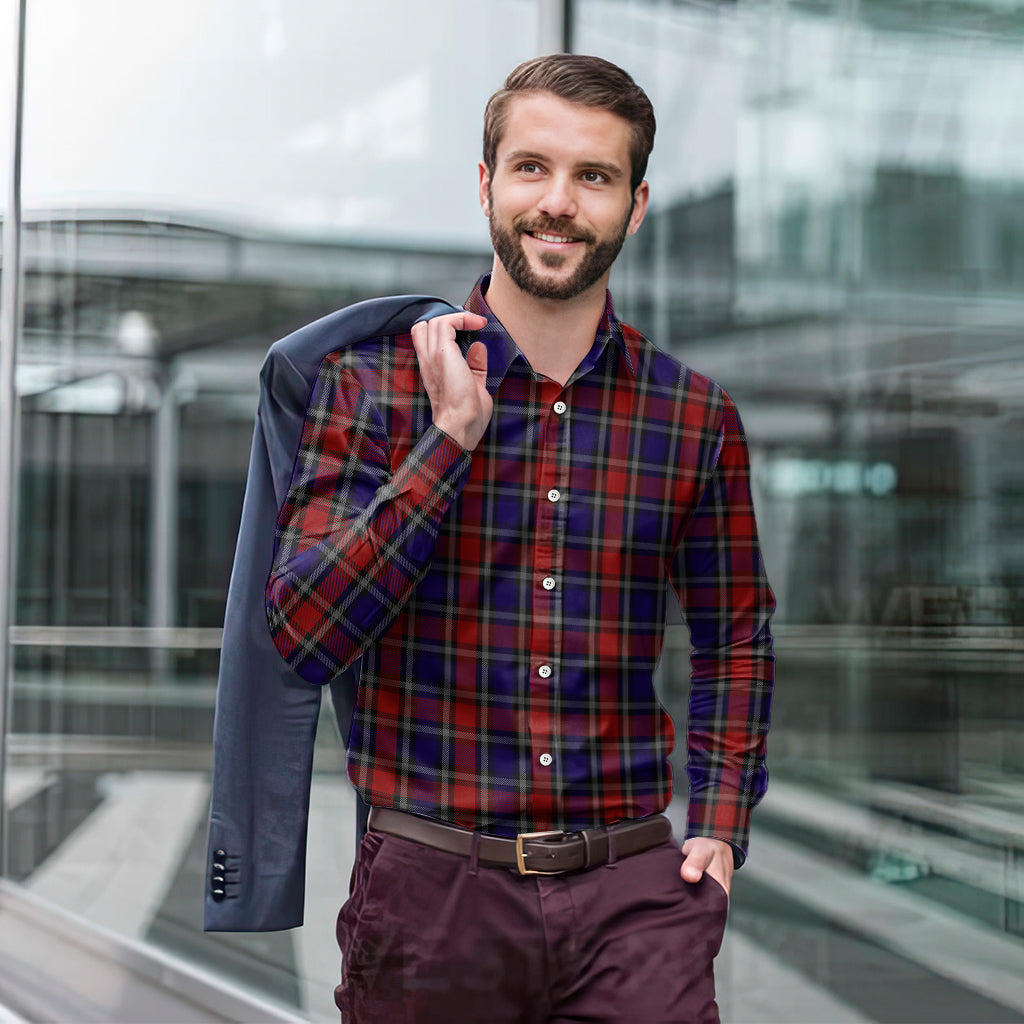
(719, 575)
(355, 535)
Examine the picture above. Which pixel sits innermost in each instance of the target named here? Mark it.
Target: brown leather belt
(531, 853)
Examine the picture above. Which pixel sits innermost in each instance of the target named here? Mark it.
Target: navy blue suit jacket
(266, 715)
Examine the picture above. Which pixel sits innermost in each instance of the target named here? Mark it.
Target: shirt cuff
(433, 472)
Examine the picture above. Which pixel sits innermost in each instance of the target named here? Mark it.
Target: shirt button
(545, 759)
(560, 407)
(554, 494)
(544, 671)
(548, 583)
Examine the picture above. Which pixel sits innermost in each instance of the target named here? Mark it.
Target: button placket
(553, 457)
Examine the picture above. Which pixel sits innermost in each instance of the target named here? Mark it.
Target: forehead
(542, 123)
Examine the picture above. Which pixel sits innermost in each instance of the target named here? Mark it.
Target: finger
(477, 357)
(695, 864)
(472, 321)
(442, 329)
(463, 320)
(423, 338)
(691, 872)
(420, 344)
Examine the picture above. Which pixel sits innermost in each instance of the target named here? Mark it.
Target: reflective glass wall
(199, 180)
(836, 235)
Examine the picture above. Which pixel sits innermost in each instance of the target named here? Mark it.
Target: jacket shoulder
(371, 318)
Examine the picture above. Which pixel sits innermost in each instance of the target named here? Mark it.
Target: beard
(598, 257)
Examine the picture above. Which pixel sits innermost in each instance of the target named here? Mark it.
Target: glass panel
(8, 55)
(201, 178)
(8, 25)
(837, 237)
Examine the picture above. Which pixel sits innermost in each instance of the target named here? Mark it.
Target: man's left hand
(710, 855)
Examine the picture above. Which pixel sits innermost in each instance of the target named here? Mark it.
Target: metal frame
(554, 26)
(10, 323)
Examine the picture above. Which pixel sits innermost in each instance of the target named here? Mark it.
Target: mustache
(552, 226)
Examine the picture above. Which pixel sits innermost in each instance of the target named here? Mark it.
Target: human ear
(485, 187)
(641, 197)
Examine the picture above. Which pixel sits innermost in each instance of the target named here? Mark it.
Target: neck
(553, 334)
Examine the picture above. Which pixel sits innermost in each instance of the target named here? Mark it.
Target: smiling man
(488, 514)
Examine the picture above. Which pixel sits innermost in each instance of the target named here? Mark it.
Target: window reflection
(199, 180)
(853, 279)
(836, 235)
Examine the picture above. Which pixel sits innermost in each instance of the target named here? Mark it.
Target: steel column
(554, 33)
(10, 320)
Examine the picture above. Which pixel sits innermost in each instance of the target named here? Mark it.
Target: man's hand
(710, 855)
(459, 400)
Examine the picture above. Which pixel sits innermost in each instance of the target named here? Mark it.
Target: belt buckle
(521, 856)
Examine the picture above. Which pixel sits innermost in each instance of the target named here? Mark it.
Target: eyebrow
(611, 170)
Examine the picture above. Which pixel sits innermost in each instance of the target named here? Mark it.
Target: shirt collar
(502, 350)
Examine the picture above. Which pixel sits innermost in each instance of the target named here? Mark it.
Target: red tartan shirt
(509, 604)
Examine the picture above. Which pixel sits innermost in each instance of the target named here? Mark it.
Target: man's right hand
(459, 400)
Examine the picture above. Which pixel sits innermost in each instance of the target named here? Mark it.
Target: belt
(530, 853)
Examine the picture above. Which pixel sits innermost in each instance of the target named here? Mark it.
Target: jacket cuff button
(217, 894)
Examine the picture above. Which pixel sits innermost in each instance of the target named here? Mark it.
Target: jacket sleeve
(263, 732)
(719, 576)
(355, 535)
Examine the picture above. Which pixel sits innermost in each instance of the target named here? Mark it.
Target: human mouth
(545, 237)
(553, 239)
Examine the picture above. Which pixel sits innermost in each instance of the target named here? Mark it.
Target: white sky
(336, 117)
(363, 119)
(330, 116)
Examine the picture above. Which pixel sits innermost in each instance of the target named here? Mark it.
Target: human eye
(595, 177)
(528, 167)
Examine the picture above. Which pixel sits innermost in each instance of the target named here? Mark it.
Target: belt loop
(586, 848)
(474, 853)
(611, 848)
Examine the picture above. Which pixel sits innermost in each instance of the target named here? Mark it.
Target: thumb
(477, 357)
(695, 862)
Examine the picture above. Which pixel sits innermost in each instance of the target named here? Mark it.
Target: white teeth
(551, 238)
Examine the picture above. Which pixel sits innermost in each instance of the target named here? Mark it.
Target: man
(491, 526)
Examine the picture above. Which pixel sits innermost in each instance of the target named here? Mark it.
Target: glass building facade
(836, 235)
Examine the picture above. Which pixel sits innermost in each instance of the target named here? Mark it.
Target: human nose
(559, 199)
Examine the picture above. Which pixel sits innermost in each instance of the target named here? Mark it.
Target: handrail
(791, 637)
(56, 965)
(166, 637)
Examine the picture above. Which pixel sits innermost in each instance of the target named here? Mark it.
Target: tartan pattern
(429, 563)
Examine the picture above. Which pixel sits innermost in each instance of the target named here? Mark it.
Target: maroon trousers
(429, 937)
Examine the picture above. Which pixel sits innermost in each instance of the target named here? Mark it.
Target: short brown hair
(575, 77)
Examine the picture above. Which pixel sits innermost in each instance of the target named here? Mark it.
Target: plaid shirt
(509, 604)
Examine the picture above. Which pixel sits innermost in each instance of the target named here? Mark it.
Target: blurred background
(836, 235)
